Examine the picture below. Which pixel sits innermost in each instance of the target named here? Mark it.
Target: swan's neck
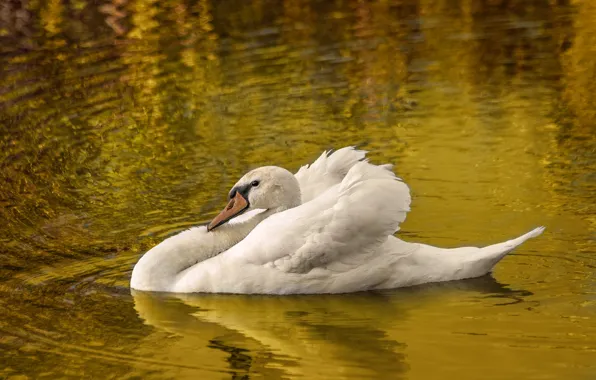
(159, 268)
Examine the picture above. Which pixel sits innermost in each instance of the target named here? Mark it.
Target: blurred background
(123, 122)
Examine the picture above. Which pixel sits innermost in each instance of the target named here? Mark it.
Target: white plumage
(328, 229)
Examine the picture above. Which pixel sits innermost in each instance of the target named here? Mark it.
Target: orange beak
(235, 207)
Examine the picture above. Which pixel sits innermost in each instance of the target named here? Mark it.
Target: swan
(327, 229)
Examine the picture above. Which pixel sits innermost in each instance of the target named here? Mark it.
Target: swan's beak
(235, 207)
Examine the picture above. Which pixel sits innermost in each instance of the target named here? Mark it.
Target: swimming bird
(326, 229)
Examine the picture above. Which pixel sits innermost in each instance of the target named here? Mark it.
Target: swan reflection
(331, 336)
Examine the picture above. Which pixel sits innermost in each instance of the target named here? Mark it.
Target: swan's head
(267, 187)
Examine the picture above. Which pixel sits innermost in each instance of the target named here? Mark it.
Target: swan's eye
(254, 183)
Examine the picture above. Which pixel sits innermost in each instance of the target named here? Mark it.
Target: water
(125, 122)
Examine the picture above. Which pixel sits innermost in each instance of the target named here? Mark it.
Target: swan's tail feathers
(510, 245)
(532, 234)
(494, 253)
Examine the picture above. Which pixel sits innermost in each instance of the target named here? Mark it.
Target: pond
(127, 121)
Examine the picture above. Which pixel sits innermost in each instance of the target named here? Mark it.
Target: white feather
(328, 170)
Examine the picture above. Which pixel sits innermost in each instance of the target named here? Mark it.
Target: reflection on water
(354, 335)
(125, 121)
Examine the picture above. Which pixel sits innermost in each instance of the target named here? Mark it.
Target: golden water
(125, 122)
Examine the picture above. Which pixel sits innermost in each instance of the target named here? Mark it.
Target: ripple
(128, 123)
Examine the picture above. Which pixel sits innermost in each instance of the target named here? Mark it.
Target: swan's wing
(328, 170)
(352, 218)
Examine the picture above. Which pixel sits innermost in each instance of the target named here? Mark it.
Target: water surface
(124, 122)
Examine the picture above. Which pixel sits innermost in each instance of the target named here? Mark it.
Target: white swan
(328, 229)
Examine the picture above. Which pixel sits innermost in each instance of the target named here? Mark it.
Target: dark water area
(124, 122)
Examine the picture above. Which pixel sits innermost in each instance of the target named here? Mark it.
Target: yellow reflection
(364, 335)
(52, 16)
(115, 137)
(143, 18)
(320, 336)
(580, 71)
